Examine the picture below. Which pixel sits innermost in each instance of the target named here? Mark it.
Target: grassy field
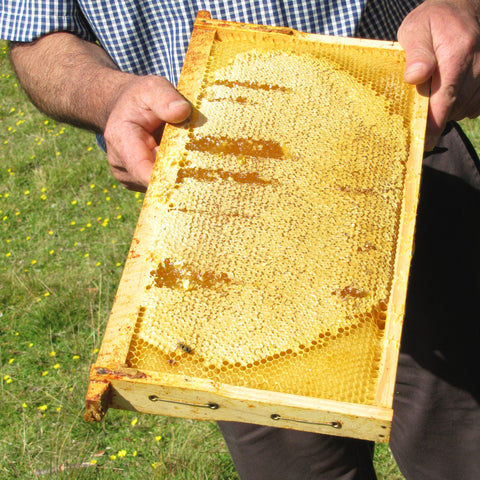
(65, 229)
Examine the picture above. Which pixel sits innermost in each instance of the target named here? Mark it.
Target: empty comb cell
(268, 271)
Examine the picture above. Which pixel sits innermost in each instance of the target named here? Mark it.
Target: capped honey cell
(277, 252)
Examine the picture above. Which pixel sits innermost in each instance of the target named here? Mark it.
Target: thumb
(421, 61)
(165, 101)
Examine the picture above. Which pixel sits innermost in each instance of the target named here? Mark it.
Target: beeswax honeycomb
(275, 262)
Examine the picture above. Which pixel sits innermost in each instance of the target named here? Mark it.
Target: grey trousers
(436, 426)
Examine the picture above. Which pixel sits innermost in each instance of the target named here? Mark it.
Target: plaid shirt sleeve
(24, 21)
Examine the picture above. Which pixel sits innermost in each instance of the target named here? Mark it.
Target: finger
(132, 157)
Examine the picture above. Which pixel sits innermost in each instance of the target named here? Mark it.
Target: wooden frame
(112, 384)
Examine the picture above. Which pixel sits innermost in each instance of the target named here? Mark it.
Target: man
(436, 432)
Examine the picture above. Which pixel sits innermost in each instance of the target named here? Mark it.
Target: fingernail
(415, 73)
(177, 103)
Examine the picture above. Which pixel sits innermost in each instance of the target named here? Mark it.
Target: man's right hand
(76, 82)
(135, 125)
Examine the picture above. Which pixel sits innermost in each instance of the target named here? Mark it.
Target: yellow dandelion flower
(113, 457)
(43, 197)
(11, 360)
(73, 222)
(33, 262)
(76, 357)
(26, 192)
(56, 366)
(6, 377)
(93, 462)
(45, 373)
(42, 407)
(8, 380)
(158, 438)
(59, 408)
(53, 353)
(46, 122)
(122, 453)
(8, 254)
(95, 350)
(98, 264)
(92, 185)
(24, 405)
(50, 232)
(134, 453)
(134, 422)
(73, 202)
(86, 255)
(51, 252)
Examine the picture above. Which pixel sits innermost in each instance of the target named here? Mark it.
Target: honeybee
(185, 347)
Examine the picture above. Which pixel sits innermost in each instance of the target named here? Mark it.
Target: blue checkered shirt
(151, 36)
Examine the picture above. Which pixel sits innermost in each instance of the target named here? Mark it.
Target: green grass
(65, 229)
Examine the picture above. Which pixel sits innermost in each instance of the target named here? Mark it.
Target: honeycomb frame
(119, 379)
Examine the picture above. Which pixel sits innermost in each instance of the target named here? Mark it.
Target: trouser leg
(266, 453)
(436, 425)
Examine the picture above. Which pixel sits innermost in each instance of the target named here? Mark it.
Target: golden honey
(275, 262)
